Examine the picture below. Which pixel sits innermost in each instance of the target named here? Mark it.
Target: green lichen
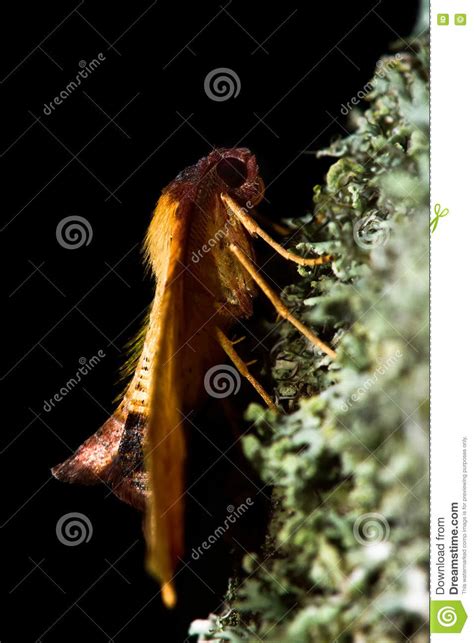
(346, 553)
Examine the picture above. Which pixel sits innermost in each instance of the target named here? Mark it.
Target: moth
(140, 451)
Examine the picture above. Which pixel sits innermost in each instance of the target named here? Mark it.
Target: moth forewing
(192, 299)
(164, 443)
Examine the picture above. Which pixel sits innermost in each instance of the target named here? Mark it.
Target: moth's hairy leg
(255, 230)
(277, 303)
(241, 366)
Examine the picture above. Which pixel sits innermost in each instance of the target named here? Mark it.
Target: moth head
(236, 170)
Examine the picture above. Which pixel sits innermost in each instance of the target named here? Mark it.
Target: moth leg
(255, 230)
(241, 366)
(278, 304)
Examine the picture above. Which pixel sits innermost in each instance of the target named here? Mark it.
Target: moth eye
(232, 172)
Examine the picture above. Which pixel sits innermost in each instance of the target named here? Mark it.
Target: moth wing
(93, 460)
(165, 445)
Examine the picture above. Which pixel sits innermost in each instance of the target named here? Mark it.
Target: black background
(296, 62)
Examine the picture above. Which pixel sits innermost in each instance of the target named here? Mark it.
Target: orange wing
(165, 446)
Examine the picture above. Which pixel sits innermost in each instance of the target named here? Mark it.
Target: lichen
(346, 553)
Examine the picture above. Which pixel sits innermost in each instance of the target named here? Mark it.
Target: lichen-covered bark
(346, 556)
